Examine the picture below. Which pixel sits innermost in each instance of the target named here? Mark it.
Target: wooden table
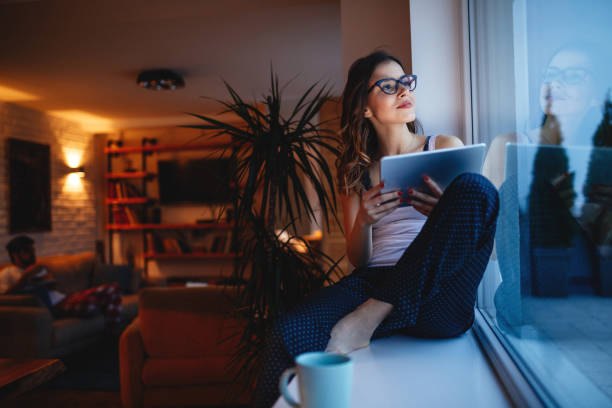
(20, 375)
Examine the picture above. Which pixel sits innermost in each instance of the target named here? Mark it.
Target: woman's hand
(564, 186)
(375, 205)
(602, 195)
(423, 202)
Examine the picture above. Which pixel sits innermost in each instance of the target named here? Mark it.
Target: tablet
(588, 166)
(406, 171)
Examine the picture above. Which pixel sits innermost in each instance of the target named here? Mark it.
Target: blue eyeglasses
(569, 76)
(391, 85)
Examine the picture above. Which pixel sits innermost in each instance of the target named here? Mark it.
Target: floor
(60, 398)
(403, 371)
(90, 380)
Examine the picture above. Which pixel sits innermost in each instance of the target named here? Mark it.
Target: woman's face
(384, 109)
(568, 86)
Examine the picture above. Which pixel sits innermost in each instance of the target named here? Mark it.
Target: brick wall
(73, 211)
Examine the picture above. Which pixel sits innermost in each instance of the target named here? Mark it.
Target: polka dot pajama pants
(105, 298)
(432, 287)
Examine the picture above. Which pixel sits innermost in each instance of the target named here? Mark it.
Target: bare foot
(354, 330)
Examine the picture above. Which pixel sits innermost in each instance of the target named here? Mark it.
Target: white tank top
(394, 232)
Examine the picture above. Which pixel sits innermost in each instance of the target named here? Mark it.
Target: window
(541, 74)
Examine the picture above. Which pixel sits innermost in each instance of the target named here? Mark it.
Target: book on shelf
(123, 189)
(185, 248)
(131, 190)
(119, 216)
(130, 215)
(228, 242)
(112, 190)
(171, 246)
(124, 215)
(218, 245)
(154, 243)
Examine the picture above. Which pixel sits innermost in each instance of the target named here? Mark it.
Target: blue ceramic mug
(324, 380)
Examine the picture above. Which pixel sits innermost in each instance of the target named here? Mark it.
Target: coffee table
(20, 375)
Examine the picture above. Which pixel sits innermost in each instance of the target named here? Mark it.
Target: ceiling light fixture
(160, 79)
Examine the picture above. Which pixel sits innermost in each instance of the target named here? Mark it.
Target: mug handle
(282, 386)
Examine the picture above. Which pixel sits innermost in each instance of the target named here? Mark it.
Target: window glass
(542, 89)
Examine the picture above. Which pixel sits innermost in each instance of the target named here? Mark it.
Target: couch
(176, 352)
(30, 330)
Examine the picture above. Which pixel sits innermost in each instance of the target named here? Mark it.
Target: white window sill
(402, 371)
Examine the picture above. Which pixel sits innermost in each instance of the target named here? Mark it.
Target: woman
(417, 267)
(573, 91)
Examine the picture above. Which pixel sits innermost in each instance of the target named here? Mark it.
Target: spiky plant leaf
(274, 157)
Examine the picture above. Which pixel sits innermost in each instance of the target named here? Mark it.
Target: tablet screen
(406, 171)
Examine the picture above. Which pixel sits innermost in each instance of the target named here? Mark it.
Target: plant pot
(550, 271)
(604, 278)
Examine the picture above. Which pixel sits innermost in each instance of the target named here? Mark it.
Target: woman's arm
(358, 237)
(359, 215)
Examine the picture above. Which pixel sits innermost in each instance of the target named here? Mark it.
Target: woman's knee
(475, 188)
(446, 329)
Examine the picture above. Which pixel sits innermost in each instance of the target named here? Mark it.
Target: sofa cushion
(72, 272)
(20, 300)
(187, 322)
(166, 372)
(72, 329)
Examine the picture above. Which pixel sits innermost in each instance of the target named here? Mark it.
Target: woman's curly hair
(359, 144)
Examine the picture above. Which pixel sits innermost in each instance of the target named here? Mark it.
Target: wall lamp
(78, 171)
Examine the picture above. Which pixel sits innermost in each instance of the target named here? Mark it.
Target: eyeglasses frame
(561, 75)
(397, 82)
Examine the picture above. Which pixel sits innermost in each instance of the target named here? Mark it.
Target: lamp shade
(160, 79)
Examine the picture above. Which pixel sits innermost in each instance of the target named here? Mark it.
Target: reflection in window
(542, 78)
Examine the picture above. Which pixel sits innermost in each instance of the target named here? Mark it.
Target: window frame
(519, 389)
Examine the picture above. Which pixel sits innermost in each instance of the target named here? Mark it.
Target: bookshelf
(193, 255)
(169, 226)
(131, 208)
(130, 175)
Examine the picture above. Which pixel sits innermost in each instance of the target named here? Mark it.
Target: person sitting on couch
(26, 276)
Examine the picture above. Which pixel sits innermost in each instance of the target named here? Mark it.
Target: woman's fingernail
(382, 183)
(426, 178)
(399, 193)
(411, 191)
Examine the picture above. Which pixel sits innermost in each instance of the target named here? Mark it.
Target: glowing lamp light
(76, 172)
(15, 95)
(74, 180)
(73, 158)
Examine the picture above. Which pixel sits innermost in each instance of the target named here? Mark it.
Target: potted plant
(273, 160)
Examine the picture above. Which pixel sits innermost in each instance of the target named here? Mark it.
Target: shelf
(132, 200)
(191, 255)
(131, 187)
(166, 148)
(168, 226)
(130, 175)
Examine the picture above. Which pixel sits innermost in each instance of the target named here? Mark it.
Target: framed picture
(29, 186)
